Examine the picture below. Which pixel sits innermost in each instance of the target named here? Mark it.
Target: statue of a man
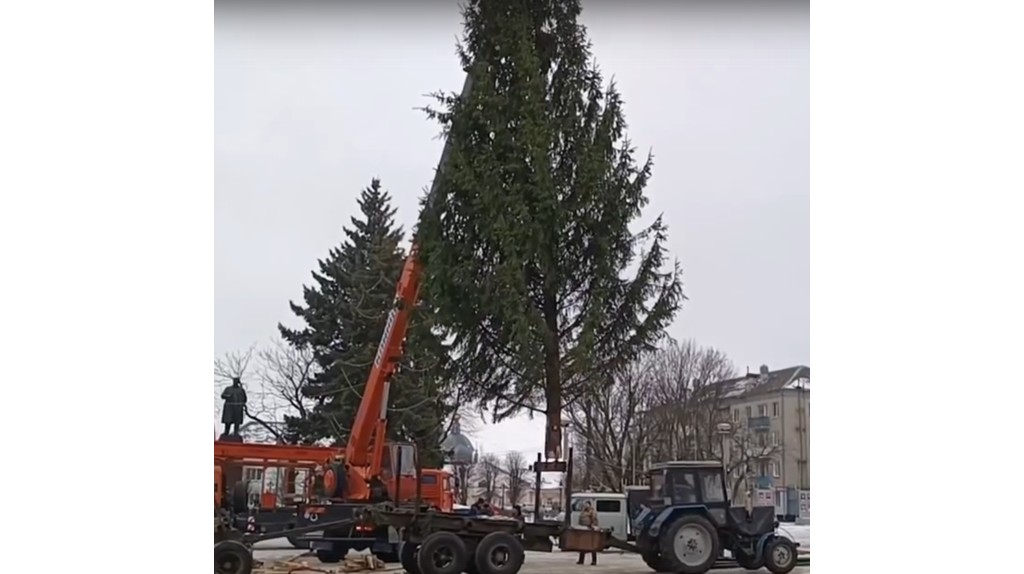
(234, 406)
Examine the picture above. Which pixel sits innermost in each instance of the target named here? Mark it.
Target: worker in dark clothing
(478, 507)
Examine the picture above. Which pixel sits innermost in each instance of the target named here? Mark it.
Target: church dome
(457, 446)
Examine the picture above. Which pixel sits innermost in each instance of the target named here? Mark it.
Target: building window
(735, 415)
(251, 473)
(748, 412)
(775, 409)
(775, 469)
(773, 439)
(762, 410)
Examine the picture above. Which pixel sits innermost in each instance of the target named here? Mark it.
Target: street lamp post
(724, 431)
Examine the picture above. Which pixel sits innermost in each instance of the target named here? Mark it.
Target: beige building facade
(772, 412)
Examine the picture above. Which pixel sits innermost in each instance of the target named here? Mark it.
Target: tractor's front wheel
(780, 555)
(690, 545)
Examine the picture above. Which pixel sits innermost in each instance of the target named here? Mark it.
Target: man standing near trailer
(588, 519)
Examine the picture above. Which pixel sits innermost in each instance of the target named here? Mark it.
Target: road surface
(536, 563)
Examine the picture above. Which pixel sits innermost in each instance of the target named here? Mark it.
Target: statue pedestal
(224, 437)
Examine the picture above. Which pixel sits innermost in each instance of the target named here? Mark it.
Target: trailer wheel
(656, 562)
(407, 557)
(240, 497)
(231, 557)
(690, 545)
(748, 561)
(333, 555)
(294, 539)
(442, 553)
(780, 555)
(499, 553)
(389, 557)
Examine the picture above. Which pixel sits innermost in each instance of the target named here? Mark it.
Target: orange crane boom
(365, 449)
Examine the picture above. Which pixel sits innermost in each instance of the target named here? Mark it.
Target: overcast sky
(310, 106)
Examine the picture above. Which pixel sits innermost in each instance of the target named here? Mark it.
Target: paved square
(536, 563)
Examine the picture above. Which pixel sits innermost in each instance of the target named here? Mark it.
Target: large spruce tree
(527, 243)
(345, 312)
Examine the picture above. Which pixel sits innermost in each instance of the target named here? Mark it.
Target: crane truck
(370, 470)
(372, 473)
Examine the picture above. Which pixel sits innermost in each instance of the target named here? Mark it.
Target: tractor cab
(684, 482)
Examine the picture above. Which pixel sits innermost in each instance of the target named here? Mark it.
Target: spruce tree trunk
(553, 381)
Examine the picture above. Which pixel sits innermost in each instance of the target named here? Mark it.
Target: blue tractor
(687, 523)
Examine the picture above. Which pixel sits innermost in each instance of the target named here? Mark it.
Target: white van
(610, 507)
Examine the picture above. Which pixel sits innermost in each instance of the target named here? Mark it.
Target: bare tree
(517, 471)
(465, 474)
(686, 405)
(274, 378)
(231, 365)
(611, 429)
(489, 471)
(239, 365)
(691, 400)
(751, 454)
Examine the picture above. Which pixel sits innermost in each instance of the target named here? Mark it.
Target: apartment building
(772, 412)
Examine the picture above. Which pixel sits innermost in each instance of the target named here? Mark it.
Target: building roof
(772, 381)
(686, 464)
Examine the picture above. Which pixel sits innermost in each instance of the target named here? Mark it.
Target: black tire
(499, 553)
(339, 481)
(442, 553)
(294, 539)
(747, 561)
(471, 553)
(656, 562)
(780, 555)
(389, 557)
(697, 546)
(332, 556)
(407, 557)
(231, 557)
(240, 497)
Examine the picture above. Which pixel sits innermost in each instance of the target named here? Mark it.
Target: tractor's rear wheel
(780, 555)
(690, 545)
(656, 562)
(231, 557)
